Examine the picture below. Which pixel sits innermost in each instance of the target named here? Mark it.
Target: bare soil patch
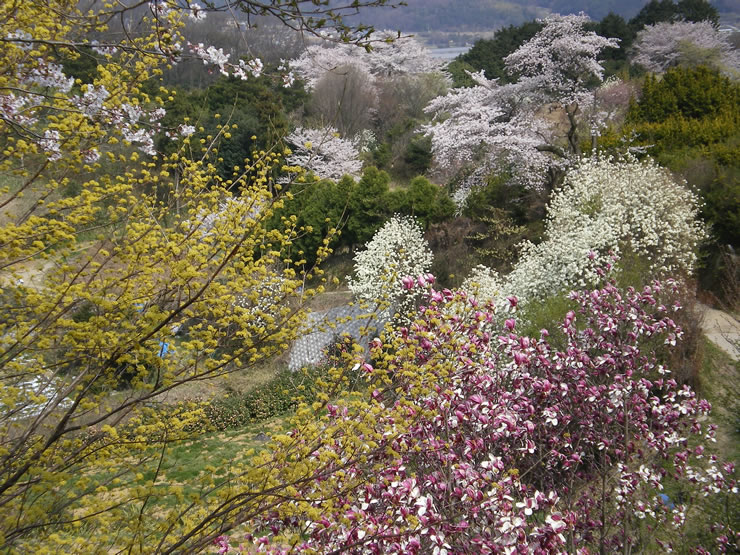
(722, 328)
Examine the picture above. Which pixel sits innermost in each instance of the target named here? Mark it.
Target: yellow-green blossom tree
(124, 273)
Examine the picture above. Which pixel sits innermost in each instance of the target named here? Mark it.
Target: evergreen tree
(654, 12)
(488, 54)
(614, 26)
(368, 208)
(657, 11)
(697, 10)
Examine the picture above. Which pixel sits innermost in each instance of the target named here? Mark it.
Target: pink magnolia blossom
(518, 446)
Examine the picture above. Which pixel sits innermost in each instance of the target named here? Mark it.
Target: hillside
(476, 16)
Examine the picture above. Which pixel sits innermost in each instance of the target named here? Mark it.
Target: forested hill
(486, 15)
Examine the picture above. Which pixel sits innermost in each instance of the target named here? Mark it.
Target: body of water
(448, 53)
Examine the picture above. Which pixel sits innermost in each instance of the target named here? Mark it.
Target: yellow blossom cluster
(124, 274)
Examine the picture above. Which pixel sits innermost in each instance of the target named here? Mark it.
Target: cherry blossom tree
(347, 80)
(388, 54)
(664, 45)
(509, 126)
(557, 63)
(323, 153)
(487, 126)
(393, 54)
(317, 60)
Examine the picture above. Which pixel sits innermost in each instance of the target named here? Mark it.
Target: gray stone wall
(323, 327)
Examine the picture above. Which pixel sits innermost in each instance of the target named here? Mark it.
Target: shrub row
(279, 395)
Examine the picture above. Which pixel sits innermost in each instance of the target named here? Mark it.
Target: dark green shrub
(424, 200)
(382, 155)
(722, 206)
(458, 70)
(418, 155)
(367, 206)
(657, 11)
(318, 207)
(278, 396)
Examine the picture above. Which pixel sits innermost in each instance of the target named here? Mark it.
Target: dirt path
(722, 328)
(32, 272)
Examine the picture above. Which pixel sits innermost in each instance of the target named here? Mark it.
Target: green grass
(194, 466)
(720, 385)
(143, 492)
(192, 459)
(719, 377)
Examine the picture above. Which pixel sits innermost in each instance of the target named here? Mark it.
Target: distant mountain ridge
(475, 16)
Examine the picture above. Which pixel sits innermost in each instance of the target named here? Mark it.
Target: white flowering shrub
(398, 250)
(560, 264)
(484, 284)
(324, 153)
(605, 206)
(643, 206)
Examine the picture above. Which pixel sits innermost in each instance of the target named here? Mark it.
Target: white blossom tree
(606, 206)
(396, 254)
(492, 126)
(557, 63)
(515, 126)
(389, 55)
(318, 60)
(346, 99)
(347, 80)
(393, 54)
(664, 45)
(323, 153)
